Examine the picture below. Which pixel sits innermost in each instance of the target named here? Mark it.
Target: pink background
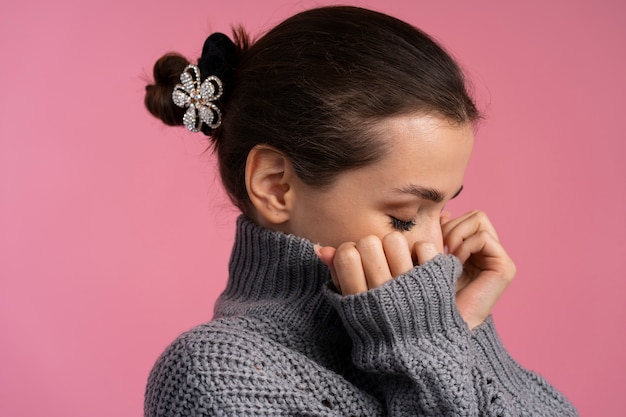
(114, 232)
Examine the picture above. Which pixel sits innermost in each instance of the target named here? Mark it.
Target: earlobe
(268, 173)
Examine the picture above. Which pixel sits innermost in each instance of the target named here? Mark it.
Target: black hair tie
(218, 59)
(203, 85)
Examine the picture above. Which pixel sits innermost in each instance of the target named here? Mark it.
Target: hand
(487, 268)
(356, 267)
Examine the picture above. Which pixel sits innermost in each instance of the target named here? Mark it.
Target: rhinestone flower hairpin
(199, 99)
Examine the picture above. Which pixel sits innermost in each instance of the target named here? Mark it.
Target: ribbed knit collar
(277, 279)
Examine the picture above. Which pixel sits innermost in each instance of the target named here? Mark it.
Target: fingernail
(317, 248)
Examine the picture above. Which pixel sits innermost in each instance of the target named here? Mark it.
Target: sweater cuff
(500, 371)
(495, 359)
(488, 346)
(406, 311)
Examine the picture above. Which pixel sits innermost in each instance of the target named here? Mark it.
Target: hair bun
(158, 99)
(219, 56)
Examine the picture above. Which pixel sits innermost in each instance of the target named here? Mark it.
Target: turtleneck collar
(277, 279)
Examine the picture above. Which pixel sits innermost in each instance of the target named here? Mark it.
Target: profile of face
(356, 145)
(405, 190)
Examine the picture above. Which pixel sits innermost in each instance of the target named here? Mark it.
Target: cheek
(428, 229)
(326, 225)
(353, 227)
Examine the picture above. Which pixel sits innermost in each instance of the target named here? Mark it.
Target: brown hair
(314, 86)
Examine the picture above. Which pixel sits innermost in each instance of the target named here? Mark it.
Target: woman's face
(406, 190)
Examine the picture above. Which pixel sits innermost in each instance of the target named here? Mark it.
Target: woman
(341, 134)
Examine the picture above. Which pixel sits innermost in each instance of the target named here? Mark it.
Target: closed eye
(401, 225)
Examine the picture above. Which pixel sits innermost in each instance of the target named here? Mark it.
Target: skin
(377, 222)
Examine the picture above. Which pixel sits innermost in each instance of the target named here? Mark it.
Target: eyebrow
(426, 193)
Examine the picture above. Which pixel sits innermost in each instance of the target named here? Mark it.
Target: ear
(269, 182)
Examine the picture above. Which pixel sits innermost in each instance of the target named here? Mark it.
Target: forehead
(424, 150)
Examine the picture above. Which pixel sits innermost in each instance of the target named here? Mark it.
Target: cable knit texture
(284, 343)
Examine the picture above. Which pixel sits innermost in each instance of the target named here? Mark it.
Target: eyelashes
(401, 225)
(427, 212)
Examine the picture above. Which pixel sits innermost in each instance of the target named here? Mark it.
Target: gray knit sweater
(283, 343)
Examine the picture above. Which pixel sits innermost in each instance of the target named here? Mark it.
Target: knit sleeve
(174, 386)
(411, 335)
(504, 381)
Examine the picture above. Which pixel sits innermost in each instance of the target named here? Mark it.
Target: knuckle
(483, 220)
(484, 235)
(478, 216)
(453, 242)
(394, 238)
(368, 243)
(512, 271)
(424, 244)
(425, 251)
(509, 271)
(346, 254)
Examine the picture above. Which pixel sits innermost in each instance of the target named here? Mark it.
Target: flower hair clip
(199, 99)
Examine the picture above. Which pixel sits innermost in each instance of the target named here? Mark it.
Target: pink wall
(114, 233)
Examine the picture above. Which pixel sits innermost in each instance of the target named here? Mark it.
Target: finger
(349, 269)
(445, 217)
(482, 255)
(424, 251)
(473, 216)
(374, 261)
(397, 253)
(476, 300)
(488, 271)
(457, 230)
(483, 244)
